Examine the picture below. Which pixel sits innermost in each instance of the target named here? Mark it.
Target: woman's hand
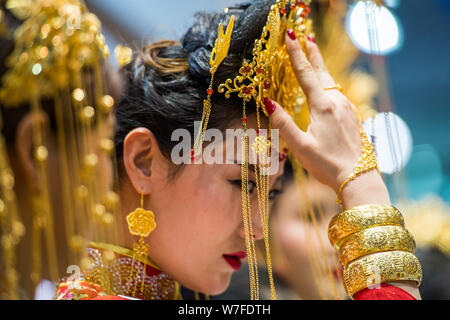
(331, 147)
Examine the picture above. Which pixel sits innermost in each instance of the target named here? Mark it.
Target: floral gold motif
(141, 222)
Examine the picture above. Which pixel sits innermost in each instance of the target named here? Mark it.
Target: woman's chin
(215, 285)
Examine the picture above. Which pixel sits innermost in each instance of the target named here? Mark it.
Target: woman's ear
(25, 148)
(139, 150)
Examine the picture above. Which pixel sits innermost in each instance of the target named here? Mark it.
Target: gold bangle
(360, 218)
(335, 87)
(379, 268)
(366, 163)
(373, 240)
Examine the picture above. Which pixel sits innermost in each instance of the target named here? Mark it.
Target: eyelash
(272, 193)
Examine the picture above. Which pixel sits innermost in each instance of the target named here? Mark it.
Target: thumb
(296, 139)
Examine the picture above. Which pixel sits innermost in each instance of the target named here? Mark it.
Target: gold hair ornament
(57, 47)
(218, 54)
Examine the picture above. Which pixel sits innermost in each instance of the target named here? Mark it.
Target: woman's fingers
(315, 57)
(289, 131)
(304, 72)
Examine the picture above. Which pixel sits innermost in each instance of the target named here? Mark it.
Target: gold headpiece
(58, 57)
(218, 54)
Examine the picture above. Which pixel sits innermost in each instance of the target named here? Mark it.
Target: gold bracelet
(373, 240)
(367, 162)
(379, 268)
(360, 218)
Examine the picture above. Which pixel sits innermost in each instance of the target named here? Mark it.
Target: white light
(392, 3)
(37, 68)
(392, 139)
(374, 29)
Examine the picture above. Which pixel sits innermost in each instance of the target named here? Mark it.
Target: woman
(199, 239)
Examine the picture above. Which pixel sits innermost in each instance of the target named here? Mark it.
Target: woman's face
(297, 241)
(199, 239)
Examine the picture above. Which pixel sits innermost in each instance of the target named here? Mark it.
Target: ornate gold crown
(56, 40)
(269, 73)
(58, 56)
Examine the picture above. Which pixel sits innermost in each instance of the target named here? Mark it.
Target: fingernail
(291, 34)
(270, 106)
(311, 38)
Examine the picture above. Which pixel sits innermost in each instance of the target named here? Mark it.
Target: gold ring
(373, 240)
(379, 268)
(335, 87)
(360, 218)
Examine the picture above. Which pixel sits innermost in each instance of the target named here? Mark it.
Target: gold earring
(141, 223)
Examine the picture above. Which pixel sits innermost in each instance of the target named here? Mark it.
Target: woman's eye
(274, 193)
(251, 185)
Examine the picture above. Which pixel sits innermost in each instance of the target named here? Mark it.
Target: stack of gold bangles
(374, 247)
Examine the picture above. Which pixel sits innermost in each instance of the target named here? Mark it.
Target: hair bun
(200, 38)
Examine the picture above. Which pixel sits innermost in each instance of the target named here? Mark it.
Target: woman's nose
(255, 229)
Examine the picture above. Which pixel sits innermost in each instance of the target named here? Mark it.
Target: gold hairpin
(218, 54)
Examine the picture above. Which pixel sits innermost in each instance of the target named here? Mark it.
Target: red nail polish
(311, 38)
(291, 34)
(270, 106)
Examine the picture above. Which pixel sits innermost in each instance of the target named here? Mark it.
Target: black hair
(167, 81)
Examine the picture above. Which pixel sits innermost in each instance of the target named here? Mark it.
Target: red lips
(234, 259)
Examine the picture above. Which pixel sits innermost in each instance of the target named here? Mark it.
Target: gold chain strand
(250, 223)
(41, 154)
(10, 225)
(263, 194)
(66, 99)
(244, 172)
(314, 257)
(205, 119)
(262, 187)
(64, 172)
(334, 259)
(320, 242)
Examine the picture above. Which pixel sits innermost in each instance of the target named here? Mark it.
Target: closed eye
(273, 194)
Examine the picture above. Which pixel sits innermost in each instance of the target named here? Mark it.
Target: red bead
(258, 132)
(192, 158)
(259, 70)
(192, 152)
(301, 4)
(283, 10)
(210, 91)
(247, 90)
(244, 119)
(304, 14)
(246, 69)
